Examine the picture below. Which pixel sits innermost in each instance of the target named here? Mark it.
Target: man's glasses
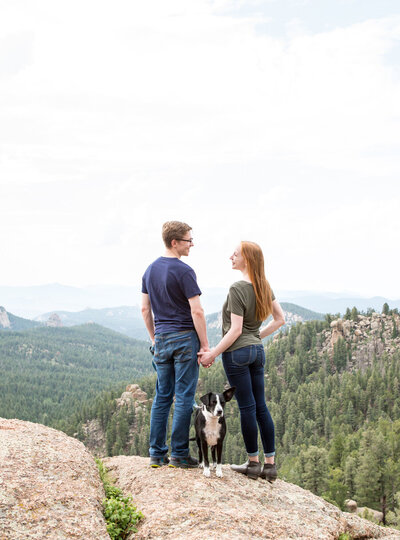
(185, 240)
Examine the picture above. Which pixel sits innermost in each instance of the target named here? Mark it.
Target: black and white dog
(210, 426)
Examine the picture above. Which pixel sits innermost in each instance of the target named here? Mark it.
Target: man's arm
(199, 321)
(148, 316)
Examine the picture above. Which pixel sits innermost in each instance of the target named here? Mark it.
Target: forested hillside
(8, 322)
(47, 372)
(333, 388)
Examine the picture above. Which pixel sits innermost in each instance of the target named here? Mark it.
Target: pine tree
(336, 451)
(337, 489)
(350, 473)
(395, 331)
(315, 474)
(350, 415)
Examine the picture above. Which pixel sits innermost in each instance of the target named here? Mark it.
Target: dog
(210, 427)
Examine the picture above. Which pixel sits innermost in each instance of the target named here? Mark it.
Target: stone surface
(367, 338)
(54, 321)
(95, 437)
(49, 485)
(132, 395)
(4, 320)
(184, 505)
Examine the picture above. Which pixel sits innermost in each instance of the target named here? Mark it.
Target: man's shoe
(269, 472)
(252, 469)
(184, 462)
(156, 462)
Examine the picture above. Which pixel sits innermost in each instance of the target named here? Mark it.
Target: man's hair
(173, 230)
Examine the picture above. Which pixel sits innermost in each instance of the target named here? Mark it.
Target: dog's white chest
(212, 430)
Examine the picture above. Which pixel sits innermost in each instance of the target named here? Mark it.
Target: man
(177, 331)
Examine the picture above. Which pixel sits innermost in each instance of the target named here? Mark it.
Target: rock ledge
(185, 505)
(49, 485)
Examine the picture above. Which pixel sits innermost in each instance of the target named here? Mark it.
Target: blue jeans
(175, 358)
(245, 370)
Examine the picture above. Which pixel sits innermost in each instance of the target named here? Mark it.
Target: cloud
(15, 53)
(117, 119)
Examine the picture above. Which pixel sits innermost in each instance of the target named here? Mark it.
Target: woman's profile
(250, 301)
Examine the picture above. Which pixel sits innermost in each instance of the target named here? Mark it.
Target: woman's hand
(206, 358)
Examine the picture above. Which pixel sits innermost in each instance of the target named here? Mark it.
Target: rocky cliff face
(49, 485)
(185, 505)
(4, 320)
(54, 321)
(368, 337)
(133, 399)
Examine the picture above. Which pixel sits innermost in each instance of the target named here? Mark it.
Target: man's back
(169, 282)
(176, 324)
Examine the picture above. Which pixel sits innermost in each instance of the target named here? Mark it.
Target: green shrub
(119, 512)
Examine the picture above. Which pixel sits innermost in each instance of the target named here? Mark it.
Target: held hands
(206, 357)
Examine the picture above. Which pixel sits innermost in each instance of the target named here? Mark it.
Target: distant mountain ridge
(128, 319)
(124, 319)
(32, 301)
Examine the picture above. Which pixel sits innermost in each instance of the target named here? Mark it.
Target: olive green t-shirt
(241, 301)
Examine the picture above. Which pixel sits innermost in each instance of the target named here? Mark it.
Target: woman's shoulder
(240, 285)
(241, 289)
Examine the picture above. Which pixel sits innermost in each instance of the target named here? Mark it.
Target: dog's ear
(206, 399)
(228, 394)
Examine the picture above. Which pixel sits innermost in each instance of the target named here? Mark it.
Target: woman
(250, 301)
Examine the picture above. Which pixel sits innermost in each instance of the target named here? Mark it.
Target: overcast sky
(276, 121)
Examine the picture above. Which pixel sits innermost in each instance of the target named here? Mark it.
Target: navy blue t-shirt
(169, 282)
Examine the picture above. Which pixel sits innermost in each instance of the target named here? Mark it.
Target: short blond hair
(174, 230)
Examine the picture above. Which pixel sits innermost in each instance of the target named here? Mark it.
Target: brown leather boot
(252, 469)
(269, 472)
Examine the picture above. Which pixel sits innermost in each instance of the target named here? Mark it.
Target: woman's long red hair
(254, 258)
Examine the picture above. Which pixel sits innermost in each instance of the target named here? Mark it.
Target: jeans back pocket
(244, 356)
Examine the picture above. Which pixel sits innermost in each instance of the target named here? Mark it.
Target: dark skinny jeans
(244, 369)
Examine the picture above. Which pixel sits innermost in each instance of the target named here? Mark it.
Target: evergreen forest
(337, 425)
(46, 373)
(336, 411)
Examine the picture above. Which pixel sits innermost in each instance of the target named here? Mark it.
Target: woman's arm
(207, 358)
(278, 320)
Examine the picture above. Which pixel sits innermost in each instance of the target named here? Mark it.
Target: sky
(276, 121)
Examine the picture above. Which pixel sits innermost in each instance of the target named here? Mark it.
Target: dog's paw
(213, 465)
(219, 471)
(206, 472)
(201, 465)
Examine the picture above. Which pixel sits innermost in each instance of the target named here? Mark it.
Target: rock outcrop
(50, 489)
(4, 320)
(54, 321)
(367, 337)
(49, 485)
(133, 400)
(185, 505)
(364, 511)
(133, 396)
